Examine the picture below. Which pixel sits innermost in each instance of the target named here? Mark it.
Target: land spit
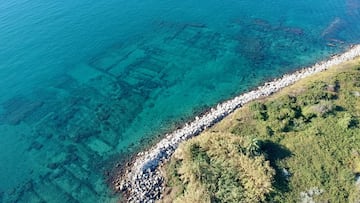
(142, 180)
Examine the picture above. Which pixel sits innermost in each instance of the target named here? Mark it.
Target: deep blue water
(84, 82)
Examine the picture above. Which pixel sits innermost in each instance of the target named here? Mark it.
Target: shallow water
(82, 83)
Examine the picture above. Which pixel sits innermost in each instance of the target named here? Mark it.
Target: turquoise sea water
(84, 83)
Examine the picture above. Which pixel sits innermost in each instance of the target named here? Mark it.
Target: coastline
(141, 179)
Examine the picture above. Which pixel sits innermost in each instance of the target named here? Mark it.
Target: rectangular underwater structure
(75, 127)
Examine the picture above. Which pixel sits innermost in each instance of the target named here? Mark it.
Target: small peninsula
(301, 144)
(295, 139)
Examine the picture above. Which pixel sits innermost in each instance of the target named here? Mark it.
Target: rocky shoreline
(142, 181)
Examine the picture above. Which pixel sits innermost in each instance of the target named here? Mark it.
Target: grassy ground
(301, 144)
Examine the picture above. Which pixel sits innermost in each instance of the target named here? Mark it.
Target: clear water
(83, 83)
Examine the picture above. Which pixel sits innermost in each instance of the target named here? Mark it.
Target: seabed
(80, 125)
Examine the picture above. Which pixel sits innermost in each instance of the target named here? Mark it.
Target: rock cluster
(143, 181)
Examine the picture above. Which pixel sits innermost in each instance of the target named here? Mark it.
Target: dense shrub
(221, 168)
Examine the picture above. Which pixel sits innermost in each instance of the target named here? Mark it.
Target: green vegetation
(220, 167)
(299, 145)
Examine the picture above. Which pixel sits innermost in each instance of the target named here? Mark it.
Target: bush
(269, 131)
(286, 113)
(259, 111)
(347, 121)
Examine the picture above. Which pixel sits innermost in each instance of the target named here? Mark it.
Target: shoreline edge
(141, 181)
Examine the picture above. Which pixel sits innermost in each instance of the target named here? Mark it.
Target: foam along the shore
(142, 181)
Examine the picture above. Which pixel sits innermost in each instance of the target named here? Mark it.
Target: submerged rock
(18, 108)
(36, 145)
(333, 29)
